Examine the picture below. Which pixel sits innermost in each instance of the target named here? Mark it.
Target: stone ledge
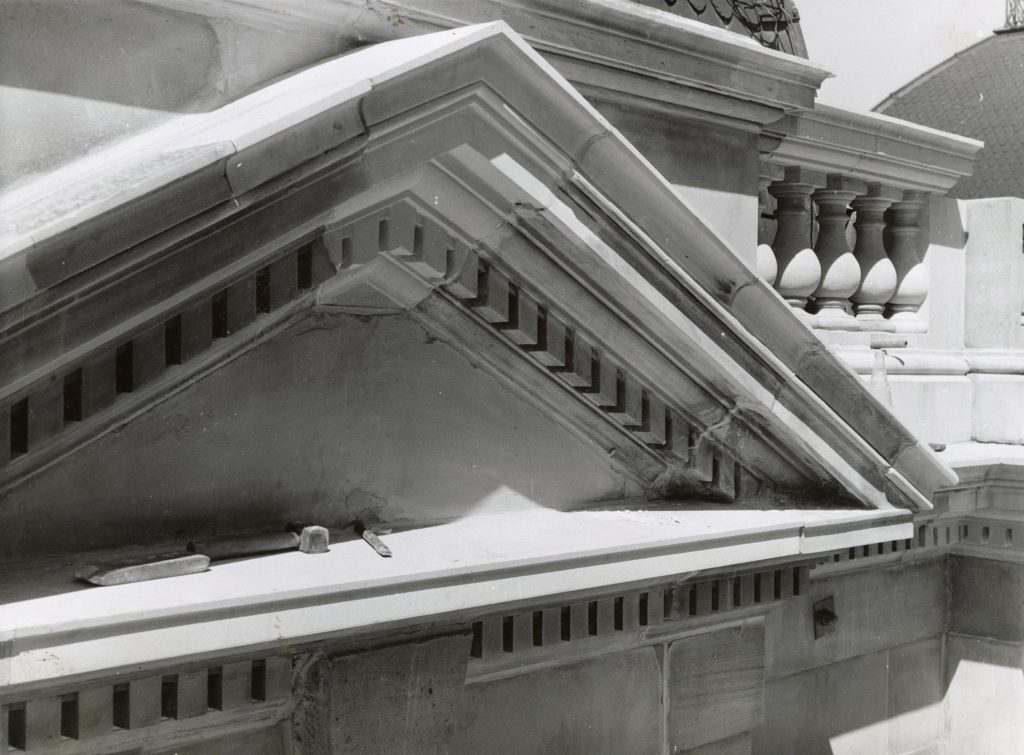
(973, 461)
(54, 628)
(915, 361)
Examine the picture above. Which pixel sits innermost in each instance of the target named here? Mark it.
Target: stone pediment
(456, 177)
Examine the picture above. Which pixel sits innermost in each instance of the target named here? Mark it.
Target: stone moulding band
(170, 705)
(507, 644)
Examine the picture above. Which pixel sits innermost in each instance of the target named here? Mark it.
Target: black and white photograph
(512, 377)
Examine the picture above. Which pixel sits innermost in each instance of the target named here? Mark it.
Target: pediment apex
(381, 286)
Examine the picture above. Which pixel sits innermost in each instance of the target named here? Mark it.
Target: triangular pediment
(458, 179)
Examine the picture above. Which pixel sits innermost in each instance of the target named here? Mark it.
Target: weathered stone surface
(713, 170)
(311, 718)
(838, 709)
(984, 696)
(145, 702)
(42, 723)
(394, 698)
(409, 408)
(169, 62)
(192, 688)
(738, 745)
(610, 704)
(715, 686)
(998, 409)
(915, 695)
(877, 608)
(993, 274)
(987, 598)
(936, 407)
(95, 712)
(267, 741)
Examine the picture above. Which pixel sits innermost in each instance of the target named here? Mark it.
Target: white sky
(876, 46)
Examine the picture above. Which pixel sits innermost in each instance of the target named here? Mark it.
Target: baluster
(767, 266)
(798, 268)
(911, 275)
(878, 275)
(840, 272)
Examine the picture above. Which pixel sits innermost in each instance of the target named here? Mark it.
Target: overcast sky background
(876, 46)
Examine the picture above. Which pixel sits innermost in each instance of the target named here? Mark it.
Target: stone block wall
(890, 679)
(693, 694)
(761, 683)
(875, 684)
(984, 664)
(960, 381)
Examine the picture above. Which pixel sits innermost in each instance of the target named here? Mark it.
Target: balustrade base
(874, 321)
(832, 315)
(907, 322)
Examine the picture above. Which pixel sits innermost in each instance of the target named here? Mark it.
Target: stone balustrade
(799, 270)
(848, 190)
(846, 252)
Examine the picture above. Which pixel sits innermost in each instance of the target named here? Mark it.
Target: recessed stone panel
(610, 704)
(984, 696)
(936, 407)
(715, 686)
(876, 609)
(998, 410)
(841, 709)
(915, 695)
(987, 598)
(388, 700)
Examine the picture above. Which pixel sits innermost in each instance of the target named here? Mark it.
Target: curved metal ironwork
(773, 23)
(1015, 14)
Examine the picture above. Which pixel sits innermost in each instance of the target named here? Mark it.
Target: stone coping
(915, 361)
(870, 148)
(455, 570)
(961, 454)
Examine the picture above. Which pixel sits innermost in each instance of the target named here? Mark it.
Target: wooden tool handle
(237, 547)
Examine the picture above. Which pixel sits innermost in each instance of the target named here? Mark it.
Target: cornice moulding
(870, 147)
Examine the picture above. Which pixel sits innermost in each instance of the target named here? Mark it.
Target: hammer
(307, 538)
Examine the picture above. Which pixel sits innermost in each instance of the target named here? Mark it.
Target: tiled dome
(773, 23)
(979, 93)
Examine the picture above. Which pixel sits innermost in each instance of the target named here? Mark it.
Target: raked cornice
(488, 111)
